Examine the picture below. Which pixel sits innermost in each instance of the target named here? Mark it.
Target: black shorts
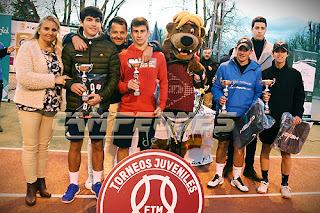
(75, 126)
(222, 132)
(267, 136)
(124, 128)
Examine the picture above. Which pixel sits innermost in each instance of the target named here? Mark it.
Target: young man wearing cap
(262, 55)
(243, 92)
(287, 95)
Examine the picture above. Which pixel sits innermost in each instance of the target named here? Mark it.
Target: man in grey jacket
(261, 54)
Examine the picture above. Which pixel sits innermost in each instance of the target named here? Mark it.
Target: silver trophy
(225, 83)
(84, 69)
(135, 63)
(267, 83)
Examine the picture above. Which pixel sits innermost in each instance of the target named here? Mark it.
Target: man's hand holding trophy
(223, 99)
(84, 69)
(134, 84)
(266, 94)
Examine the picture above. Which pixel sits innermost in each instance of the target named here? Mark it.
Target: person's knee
(266, 148)
(30, 148)
(285, 156)
(238, 151)
(97, 146)
(75, 146)
(223, 145)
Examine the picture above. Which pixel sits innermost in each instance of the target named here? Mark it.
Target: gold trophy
(135, 63)
(267, 83)
(225, 83)
(84, 69)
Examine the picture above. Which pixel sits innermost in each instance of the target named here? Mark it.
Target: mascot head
(184, 37)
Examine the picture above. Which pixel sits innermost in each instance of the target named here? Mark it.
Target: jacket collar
(80, 34)
(285, 67)
(251, 66)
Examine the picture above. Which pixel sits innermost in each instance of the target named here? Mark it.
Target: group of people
(43, 68)
(252, 60)
(38, 94)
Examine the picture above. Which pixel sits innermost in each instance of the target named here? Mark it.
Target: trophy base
(85, 99)
(266, 112)
(223, 111)
(225, 94)
(136, 93)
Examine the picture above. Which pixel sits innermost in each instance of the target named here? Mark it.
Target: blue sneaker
(70, 194)
(95, 189)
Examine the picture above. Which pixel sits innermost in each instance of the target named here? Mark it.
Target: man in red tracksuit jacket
(142, 107)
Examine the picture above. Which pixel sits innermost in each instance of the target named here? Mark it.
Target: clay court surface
(304, 178)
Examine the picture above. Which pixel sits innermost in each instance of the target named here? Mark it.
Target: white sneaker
(89, 182)
(285, 192)
(239, 185)
(263, 188)
(215, 181)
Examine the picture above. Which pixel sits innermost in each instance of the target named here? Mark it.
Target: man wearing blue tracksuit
(245, 88)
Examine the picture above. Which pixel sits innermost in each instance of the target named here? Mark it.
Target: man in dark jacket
(211, 69)
(287, 95)
(104, 56)
(117, 33)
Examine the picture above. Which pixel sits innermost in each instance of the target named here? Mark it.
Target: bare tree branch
(104, 7)
(65, 12)
(82, 4)
(25, 11)
(230, 10)
(34, 10)
(69, 12)
(114, 9)
(196, 6)
(54, 12)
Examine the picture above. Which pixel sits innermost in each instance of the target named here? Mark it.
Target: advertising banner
(5, 39)
(306, 62)
(22, 31)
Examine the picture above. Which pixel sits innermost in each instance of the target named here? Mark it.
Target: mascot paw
(179, 149)
(160, 144)
(195, 67)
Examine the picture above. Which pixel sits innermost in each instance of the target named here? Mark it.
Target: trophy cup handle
(76, 66)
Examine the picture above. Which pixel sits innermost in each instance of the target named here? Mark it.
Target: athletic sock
(219, 169)
(236, 172)
(265, 175)
(74, 177)
(285, 180)
(97, 176)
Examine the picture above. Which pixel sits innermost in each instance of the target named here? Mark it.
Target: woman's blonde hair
(47, 18)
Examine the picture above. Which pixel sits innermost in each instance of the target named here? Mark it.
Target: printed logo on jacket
(152, 181)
